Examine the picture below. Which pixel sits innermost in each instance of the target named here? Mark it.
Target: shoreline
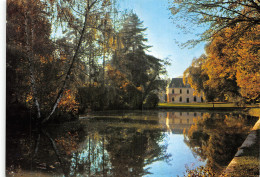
(245, 156)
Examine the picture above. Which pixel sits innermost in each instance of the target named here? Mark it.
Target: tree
(140, 69)
(216, 16)
(196, 76)
(228, 71)
(25, 22)
(56, 63)
(232, 65)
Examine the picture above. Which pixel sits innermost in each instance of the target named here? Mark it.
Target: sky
(162, 34)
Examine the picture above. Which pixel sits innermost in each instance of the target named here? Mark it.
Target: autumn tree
(196, 76)
(26, 21)
(215, 16)
(232, 64)
(229, 70)
(235, 65)
(57, 63)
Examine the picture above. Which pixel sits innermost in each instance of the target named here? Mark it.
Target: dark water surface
(128, 143)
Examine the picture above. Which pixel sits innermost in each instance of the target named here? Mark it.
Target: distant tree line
(66, 56)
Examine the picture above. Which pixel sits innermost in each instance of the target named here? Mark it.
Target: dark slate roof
(178, 83)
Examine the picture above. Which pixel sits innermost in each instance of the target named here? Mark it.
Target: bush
(151, 101)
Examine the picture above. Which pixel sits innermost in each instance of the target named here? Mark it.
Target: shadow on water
(122, 144)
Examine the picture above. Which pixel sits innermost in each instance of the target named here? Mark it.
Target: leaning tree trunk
(75, 56)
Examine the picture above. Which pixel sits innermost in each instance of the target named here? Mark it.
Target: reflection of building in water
(176, 122)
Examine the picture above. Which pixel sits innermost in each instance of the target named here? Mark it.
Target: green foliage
(151, 101)
(142, 71)
(42, 67)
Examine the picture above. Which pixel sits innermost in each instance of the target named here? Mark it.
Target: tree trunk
(29, 51)
(59, 96)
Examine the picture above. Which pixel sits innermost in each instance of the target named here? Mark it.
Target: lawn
(197, 105)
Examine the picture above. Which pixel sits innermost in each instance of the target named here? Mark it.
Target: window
(180, 113)
(172, 99)
(172, 91)
(180, 91)
(180, 99)
(195, 99)
(195, 114)
(187, 100)
(188, 91)
(201, 99)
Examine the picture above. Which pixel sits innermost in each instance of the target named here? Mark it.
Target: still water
(128, 143)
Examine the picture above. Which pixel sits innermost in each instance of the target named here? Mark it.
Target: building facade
(177, 92)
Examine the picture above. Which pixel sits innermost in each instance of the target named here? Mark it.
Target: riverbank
(247, 159)
(215, 105)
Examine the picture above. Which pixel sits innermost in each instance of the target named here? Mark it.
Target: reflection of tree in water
(102, 151)
(216, 137)
(42, 151)
(131, 151)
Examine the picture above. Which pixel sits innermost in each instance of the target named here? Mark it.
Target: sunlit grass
(202, 105)
(198, 105)
(249, 163)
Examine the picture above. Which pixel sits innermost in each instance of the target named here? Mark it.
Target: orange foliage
(68, 102)
(118, 78)
(238, 61)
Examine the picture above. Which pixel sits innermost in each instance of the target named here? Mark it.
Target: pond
(128, 143)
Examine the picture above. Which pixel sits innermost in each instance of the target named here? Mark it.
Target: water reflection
(176, 122)
(216, 137)
(126, 144)
(95, 148)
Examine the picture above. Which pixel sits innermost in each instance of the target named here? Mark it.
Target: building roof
(178, 83)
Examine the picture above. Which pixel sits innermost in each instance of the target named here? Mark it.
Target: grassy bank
(216, 105)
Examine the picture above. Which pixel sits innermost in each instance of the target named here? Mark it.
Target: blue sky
(162, 33)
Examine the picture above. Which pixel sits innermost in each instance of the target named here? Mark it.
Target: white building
(177, 92)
